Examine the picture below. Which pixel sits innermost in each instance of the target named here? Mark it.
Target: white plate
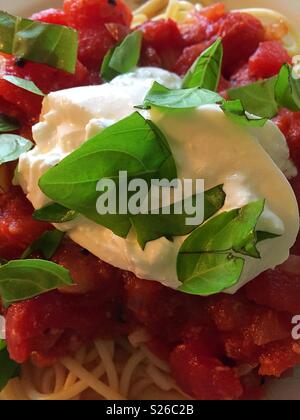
(286, 389)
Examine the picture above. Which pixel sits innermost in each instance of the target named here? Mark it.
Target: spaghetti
(124, 369)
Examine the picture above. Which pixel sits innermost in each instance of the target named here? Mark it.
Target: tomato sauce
(206, 340)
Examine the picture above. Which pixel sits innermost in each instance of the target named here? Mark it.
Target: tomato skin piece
(268, 59)
(84, 13)
(202, 377)
(241, 34)
(54, 16)
(214, 12)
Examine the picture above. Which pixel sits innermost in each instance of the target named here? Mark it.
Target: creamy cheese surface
(250, 162)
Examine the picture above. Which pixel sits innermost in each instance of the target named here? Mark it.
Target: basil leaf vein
(55, 213)
(205, 73)
(287, 89)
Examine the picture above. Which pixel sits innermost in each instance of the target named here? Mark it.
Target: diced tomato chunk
(242, 77)
(279, 358)
(213, 12)
(86, 13)
(17, 228)
(54, 16)
(188, 57)
(277, 289)
(89, 273)
(241, 34)
(289, 124)
(268, 59)
(194, 30)
(55, 324)
(202, 377)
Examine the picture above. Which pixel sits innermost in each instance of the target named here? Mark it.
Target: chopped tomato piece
(202, 377)
(278, 358)
(241, 34)
(188, 57)
(55, 324)
(277, 289)
(242, 77)
(213, 12)
(83, 14)
(17, 228)
(54, 16)
(268, 59)
(194, 30)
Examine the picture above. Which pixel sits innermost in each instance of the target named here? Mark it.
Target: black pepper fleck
(112, 2)
(84, 252)
(20, 62)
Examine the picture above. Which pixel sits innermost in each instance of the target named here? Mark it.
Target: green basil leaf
(25, 279)
(131, 145)
(150, 227)
(54, 45)
(106, 72)
(55, 213)
(205, 73)
(287, 89)
(12, 146)
(47, 244)
(8, 368)
(162, 97)
(8, 124)
(258, 98)
(24, 84)
(236, 112)
(206, 263)
(122, 58)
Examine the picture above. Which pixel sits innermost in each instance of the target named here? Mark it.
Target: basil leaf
(162, 97)
(47, 244)
(205, 73)
(54, 45)
(25, 279)
(206, 263)
(12, 146)
(8, 124)
(150, 227)
(258, 98)
(55, 213)
(106, 72)
(23, 84)
(132, 145)
(122, 58)
(236, 112)
(287, 89)
(8, 368)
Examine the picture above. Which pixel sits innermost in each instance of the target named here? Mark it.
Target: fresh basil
(122, 58)
(150, 227)
(8, 368)
(134, 145)
(12, 146)
(24, 84)
(8, 124)
(207, 262)
(205, 73)
(54, 45)
(236, 112)
(54, 213)
(25, 279)
(162, 97)
(258, 98)
(287, 89)
(47, 244)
